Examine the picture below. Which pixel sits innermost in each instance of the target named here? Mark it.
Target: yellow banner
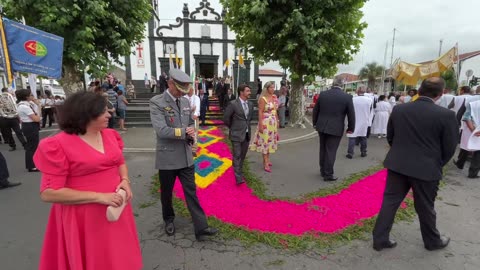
(3, 47)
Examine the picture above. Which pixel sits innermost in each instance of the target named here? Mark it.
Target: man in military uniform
(171, 118)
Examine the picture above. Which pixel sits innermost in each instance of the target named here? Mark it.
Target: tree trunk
(72, 79)
(296, 104)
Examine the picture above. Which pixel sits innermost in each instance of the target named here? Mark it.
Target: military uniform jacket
(169, 122)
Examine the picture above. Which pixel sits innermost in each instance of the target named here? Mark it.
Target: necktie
(245, 109)
(178, 104)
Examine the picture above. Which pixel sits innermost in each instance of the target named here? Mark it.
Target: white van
(56, 90)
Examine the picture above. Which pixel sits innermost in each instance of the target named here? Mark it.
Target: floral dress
(266, 142)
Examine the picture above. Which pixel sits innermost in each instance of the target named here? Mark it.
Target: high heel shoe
(267, 169)
(270, 164)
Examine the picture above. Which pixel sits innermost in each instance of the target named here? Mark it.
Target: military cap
(181, 79)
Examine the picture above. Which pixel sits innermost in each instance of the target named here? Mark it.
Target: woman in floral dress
(266, 137)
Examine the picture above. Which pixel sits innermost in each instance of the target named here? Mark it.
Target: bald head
(432, 87)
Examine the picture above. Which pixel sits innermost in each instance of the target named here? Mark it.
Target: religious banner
(410, 74)
(140, 61)
(32, 50)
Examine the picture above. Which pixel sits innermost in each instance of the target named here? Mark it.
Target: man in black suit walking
(329, 120)
(203, 106)
(237, 117)
(423, 138)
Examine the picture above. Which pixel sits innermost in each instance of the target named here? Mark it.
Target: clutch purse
(113, 213)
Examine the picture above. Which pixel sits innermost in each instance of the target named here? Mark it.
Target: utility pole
(440, 50)
(393, 46)
(384, 68)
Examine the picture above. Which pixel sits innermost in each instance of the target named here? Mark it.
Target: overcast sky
(420, 24)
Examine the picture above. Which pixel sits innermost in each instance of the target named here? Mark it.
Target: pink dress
(79, 237)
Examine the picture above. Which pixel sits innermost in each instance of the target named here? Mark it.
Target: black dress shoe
(363, 155)
(169, 228)
(473, 176)
(10, 184)
(242, 181)
(457, 165)
(349, 156)
(388, 244)
(330, 178)
(201, 236)
(33, 170)
(443, 243)
(13, 148)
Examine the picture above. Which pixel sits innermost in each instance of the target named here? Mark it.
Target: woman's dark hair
(381, 98)
(22, 94)
(48, 93)
(78, 110)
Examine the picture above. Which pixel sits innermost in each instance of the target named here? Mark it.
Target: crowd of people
(423, 134)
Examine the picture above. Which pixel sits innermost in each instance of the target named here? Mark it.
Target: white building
(201, 41)
(469, 61)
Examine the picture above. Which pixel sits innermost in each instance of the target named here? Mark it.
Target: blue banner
(32, 50)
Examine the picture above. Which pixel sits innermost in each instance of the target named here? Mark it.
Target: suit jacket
(228, 99)
(207, 85)
(235, 119)
(330, 110)
(423, 138)
(173, 152)
(203, 102)
(220, 89)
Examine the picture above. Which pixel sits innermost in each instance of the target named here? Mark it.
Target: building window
(169, 48)
(205, 31)
(206, 49)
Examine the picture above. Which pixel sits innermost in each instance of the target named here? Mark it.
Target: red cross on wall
(139, 49)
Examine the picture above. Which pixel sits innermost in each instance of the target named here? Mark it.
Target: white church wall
(138, 72)
(175, 32)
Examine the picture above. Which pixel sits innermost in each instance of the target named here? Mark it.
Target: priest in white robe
(446, 101)
(471, 120)
(382, 114)
(363, 109)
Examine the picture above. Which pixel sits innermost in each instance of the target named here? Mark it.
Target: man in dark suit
(237, 117)
(423, 137)
(329, 120)
(220, 93)
(203, 105)
(204, 85)
(229, 97)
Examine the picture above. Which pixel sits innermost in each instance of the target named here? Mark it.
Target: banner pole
(4, 51)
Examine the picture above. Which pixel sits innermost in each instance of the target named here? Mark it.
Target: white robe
(392, 101)
(382, 113)
(445, 100)
(474, 141)
(458, 103)
(466, 133)
(372, 114)
(363, 110)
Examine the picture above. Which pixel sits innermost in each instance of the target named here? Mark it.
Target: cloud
(420, 24)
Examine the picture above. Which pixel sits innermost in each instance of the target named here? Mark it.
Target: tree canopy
(310, 38)
(95, 32)
(371, 72)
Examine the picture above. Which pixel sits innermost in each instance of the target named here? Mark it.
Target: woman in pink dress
(265, 140)
(82, 168)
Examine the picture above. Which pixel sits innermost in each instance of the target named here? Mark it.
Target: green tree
(95, 32)
(371, 72)
(450, 79)
(310, 38)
